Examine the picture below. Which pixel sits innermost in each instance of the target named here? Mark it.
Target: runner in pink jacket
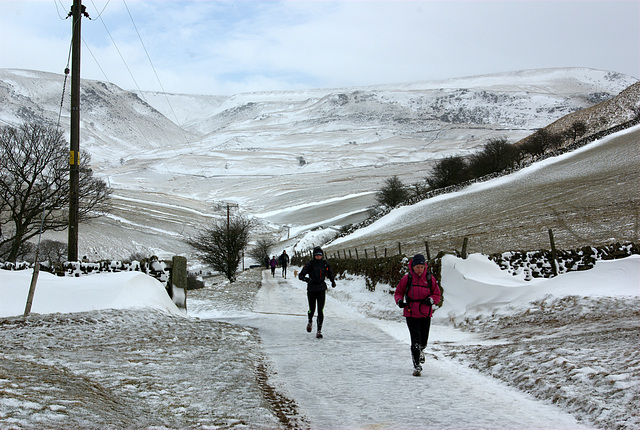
(416, 294)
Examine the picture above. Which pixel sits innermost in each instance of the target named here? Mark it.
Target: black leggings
(419, 332)
(319, 297)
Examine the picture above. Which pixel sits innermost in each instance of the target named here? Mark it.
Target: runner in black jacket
(314, 274)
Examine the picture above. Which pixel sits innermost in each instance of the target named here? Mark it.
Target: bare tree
(541, 141)
(496, 155)
(221, 244)
(261, 249)
(392, 193)
(53, 252)
(451, 170)
(577, 129)
(34, 185)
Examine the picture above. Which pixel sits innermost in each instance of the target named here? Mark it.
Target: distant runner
(284, 262)
(273, 263)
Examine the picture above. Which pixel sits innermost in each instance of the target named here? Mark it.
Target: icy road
(359, 375)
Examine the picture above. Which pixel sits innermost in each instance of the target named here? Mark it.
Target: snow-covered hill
(312, 130)
(284, 156)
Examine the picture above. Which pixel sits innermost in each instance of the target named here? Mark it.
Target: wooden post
(350, 257)
(399, 249)
(356, 253)
(385, 253)
(32, 288)
(365, 254)
(375, 253)
(179, 281)
(426, 247)
(464, 248)
(554, 260)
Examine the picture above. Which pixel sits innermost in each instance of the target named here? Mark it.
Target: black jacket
(314, 273)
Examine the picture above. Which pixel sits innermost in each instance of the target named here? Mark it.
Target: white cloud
(220, 47)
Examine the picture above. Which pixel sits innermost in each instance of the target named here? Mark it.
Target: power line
(177, 121)
(62, 17)
(119, 53)
(162, 87)
(86, 45)
(105, 6)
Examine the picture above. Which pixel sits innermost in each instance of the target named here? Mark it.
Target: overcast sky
(227, 47)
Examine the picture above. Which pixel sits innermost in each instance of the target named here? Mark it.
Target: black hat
(317, 251)
(418, 259)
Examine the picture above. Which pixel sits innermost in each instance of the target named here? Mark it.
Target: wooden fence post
(375, 253)
(426, 247)
(399, 249)
(464, 248)
(32, 288)
(350, 255)
(365, 254)
(554, 260)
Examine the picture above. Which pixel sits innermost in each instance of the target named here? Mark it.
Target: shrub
(392, 193)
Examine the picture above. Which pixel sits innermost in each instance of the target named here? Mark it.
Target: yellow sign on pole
(72, 158)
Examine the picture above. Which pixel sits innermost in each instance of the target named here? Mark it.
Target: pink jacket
(418, 293)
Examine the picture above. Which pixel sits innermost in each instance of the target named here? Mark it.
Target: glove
(306, 279)
(430, 301)
(401, 304)
(333, 284)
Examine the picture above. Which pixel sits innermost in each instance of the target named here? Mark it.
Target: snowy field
(113, 351)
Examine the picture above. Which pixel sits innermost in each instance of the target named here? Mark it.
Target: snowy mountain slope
(183, 109)
(218, 131)
(624, 107)
(588, 197)
(273, 152)
(116, 125)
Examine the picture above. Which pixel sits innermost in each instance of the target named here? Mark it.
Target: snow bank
(89, 293)
(477, 285)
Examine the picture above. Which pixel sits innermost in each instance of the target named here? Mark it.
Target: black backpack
(410, 284)
(282, 259)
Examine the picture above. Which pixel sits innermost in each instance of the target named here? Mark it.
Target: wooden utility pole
(77, 10)
(229, 206)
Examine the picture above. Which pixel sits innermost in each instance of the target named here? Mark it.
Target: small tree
(53, 252)
(450, 170)
(221, 244)
(577, 129)
(495, 156)
(392, 193)
(541, 141)
(261, 249)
